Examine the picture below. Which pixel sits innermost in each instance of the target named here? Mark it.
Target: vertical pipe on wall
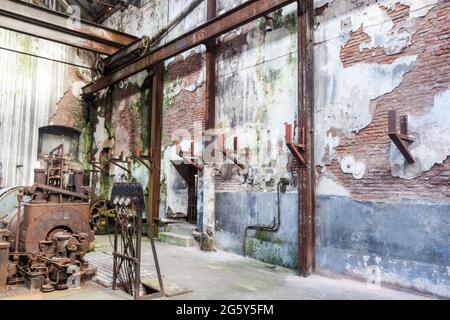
(306, 223)
(155, 146)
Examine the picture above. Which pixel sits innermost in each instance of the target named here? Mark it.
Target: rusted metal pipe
(276, 220)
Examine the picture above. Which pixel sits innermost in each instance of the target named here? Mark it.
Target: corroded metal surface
(233, 19)
(48, 237)
(47, 24)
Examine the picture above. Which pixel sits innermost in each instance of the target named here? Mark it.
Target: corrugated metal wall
(29, 90)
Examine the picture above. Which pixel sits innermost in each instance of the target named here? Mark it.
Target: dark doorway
(192, 180)
(189, 174)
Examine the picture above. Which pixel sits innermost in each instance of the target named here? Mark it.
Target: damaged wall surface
(374, 209)
(256, 95)
(35, 93)
(370, 57)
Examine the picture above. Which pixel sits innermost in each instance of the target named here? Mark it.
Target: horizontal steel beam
(54, 26)
(235, 18)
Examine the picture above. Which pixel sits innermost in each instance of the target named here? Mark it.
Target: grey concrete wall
(405, 242)
(236, 210)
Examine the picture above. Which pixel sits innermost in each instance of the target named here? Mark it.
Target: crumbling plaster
(431, 133)
(257, 95)
(343, 95)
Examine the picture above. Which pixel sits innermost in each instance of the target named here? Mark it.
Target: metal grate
(104, 264)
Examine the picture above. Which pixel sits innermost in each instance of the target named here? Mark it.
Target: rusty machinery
(48, 237)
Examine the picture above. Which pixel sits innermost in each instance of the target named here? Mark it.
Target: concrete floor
(220, 275)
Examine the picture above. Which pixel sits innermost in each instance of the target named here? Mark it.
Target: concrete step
(180, 228)
(177, 239)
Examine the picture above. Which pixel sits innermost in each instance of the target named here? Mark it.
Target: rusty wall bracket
(96, 165)
(296, 148)
(399, 138)
(119, 161)
(143, 159)
(188, 158)
(230, 154)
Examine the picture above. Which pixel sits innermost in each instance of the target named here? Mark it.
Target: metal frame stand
(129, 202)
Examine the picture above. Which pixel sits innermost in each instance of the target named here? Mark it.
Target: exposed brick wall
(351, 53)
(69, 107)
(415, 95)
(186, 108)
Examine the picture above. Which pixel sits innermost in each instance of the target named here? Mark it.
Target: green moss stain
(207, 243)
(90, 121)
(105, 182)
(272, 76)
(262, 25)
(278, 19)
(167, 104)
(267, 236)
(292, 59)
(109, 113)
(290, 23)
(26, 62)
(144, 108)
(267, 247)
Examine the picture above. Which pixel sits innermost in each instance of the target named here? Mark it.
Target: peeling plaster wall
(183, 97)
(375, 212)
(35, 93)
(122, 124)
(256, 95)
(370, 57)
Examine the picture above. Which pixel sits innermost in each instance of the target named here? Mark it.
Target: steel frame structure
(53, 26)
(47, 24)
(206, 34)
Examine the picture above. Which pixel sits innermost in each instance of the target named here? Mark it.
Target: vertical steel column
(207, 219)
(210, 94)
(155, 147)
(306, 201)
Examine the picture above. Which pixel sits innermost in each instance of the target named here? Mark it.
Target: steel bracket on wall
(230, 154)
(143, 159)
(297, 149)
(189, 158)
(399, 138)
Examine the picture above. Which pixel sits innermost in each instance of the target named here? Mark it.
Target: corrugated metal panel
(29, 90)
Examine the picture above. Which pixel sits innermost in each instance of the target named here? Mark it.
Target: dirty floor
(220, 275)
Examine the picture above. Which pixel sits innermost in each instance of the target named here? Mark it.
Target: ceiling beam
(239, 16)
(47, 24)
